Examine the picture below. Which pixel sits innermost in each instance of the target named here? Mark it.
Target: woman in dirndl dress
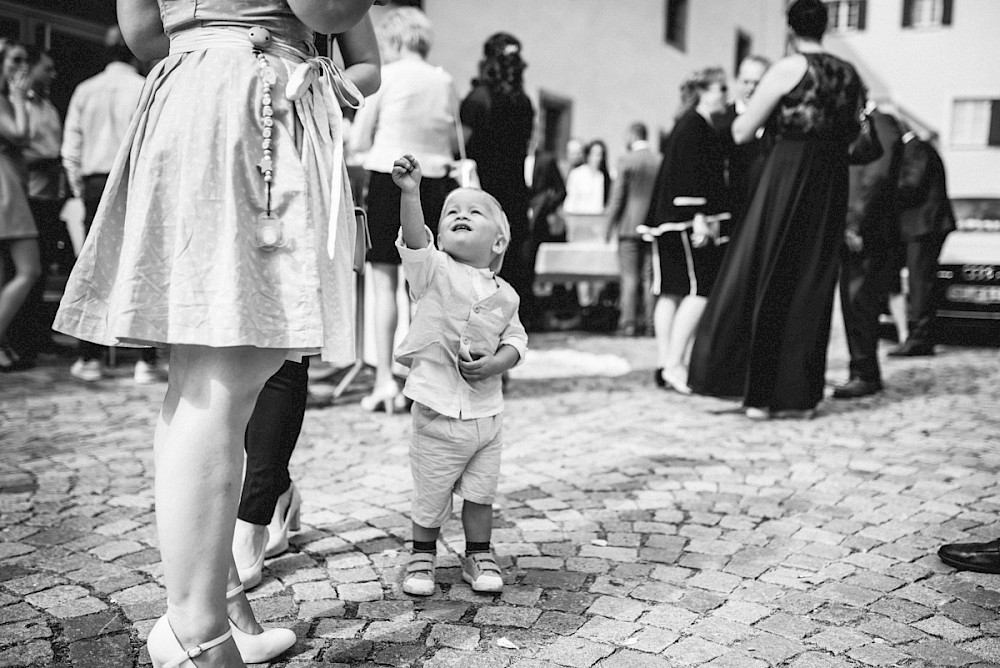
(226, 231)
(688, 250)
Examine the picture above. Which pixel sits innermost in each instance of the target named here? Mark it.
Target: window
(927, 13)
(846, 15)
(744, 44)
(975, 123)
(676, 23)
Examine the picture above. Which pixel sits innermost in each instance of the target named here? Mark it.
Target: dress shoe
(385, 397)
(856, 387)
(676, 378)
(910, 349)
(249, 547)
(87, 370)
(165, 651)
(260, 647)
(285, 519)
(978, 557)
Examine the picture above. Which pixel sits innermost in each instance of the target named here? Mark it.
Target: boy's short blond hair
(499, 217)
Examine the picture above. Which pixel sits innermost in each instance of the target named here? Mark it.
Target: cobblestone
(636, 528)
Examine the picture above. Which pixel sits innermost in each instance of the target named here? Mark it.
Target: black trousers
(921, 263)
(270, 440)
(865, 279)
(93, 187)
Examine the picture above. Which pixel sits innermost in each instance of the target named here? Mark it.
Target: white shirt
(99, 115)
(584, 190)
(412, 112)
(42, 152)
(459, 308)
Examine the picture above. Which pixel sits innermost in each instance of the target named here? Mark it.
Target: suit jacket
(873, 207)
(548, 190)
(743, 163)
(693, 166)
(923, 192)
(632, 191)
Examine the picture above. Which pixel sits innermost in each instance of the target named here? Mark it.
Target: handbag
(464, 169)
(867, 147)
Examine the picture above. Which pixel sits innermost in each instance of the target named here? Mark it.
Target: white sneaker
(88, 370)
(147, 374)
(480, 570)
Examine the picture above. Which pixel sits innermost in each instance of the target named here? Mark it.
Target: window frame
(941, 11)
(840, 12)
(676, 12)
(990, 133)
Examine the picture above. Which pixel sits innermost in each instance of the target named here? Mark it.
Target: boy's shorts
(452, 456)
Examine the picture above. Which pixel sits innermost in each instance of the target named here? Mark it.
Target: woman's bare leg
(684, 326)
(199, 456)
(27, 269)
(663, 320)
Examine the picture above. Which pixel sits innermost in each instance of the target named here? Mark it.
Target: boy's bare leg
(477, 521)
(424, 534)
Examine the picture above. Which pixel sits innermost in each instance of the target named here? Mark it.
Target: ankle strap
(234, 591)
(198, 649)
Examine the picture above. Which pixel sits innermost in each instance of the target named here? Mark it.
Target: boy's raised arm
(406, 174)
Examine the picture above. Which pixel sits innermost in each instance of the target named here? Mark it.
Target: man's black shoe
(910, 349)
(855, 388)
(978, 557)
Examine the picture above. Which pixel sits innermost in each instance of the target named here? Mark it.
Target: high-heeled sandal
(165, 651)
(386, 397)
(285, 519)
(253, 572)
(675, 378)
(259, 647)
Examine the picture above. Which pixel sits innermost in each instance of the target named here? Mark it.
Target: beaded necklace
(269, 232)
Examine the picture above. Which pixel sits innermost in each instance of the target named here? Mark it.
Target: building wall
(924, 70)
(609, 58)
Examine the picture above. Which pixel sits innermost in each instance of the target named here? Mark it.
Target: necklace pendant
(269, 234)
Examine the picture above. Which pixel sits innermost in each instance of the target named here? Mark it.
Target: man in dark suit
(925, 219)
(872, 239)
(546, 190)
(743, 161)
(628, 206)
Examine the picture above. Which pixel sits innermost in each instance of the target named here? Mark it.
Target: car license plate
(974, 294)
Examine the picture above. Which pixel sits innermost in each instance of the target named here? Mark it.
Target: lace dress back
(825, 105)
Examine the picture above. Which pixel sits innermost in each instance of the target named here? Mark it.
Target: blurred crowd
(671, 209)
(53, 173)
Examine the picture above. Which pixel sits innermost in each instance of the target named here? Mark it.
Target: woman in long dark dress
(765, 330)
(499, 119)
(687, 256)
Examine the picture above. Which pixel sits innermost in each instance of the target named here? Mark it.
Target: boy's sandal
(419, 579)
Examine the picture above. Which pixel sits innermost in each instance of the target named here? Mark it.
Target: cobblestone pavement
(637, 528)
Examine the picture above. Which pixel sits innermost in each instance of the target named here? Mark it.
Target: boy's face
(468, 230)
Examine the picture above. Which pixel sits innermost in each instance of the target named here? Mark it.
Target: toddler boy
(464, 335)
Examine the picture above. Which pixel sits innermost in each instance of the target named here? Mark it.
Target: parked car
(968, 277)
